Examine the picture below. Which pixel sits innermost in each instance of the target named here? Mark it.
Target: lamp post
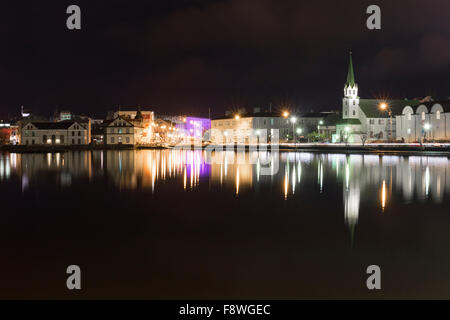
(427, 127)
(385, 107)
(347, 132)
(293, 120)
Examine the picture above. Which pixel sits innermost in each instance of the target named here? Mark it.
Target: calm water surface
(168, 224)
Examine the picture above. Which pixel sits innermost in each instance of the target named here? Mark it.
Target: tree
(317, 137)
(363, 136)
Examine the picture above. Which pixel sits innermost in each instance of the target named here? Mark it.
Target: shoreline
(394, 149)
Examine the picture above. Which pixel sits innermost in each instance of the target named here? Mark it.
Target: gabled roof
(317, 114)
(371, 107)
(110, 124)
(62, 125)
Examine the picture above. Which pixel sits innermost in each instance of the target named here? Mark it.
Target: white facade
(55, 133)
(250, 129)
(429, 121)
(120, 131)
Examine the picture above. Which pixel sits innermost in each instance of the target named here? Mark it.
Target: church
(366, 120)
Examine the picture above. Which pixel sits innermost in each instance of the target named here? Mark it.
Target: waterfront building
(367, 119)
(55, 133)
(425, 121)
(121, 131)
(251, 127)
(194, 127)
(189, 126)
(9, 133)
(142, 121)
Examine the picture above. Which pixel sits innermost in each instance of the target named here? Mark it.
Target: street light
(285, 114)
(384, 106)
(427, 127)
(293, 120)
(347, 131)
(237, 117)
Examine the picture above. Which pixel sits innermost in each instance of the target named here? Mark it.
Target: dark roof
(119, 117)
(317, 114)
(371, 108)
(52, 125)
(349, 122)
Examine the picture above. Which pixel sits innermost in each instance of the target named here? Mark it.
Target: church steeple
(351, 74)
(351, 88)
(350, 103)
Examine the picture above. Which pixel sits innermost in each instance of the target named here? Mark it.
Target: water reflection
(368, 178)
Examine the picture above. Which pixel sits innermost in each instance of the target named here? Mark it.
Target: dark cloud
(180, 56)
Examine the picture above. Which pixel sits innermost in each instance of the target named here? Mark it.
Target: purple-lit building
(194, 127)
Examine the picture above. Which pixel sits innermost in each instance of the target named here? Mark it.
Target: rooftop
(371, 107)
(52, 125)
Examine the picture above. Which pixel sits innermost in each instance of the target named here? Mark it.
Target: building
(367, 119)
(55, 133)
(142, 120)
(194, 127)
(9, 133)
(428, 121)
(64, 116)
(324, 123)
(251, 128)
(144, 116)
(121, 131)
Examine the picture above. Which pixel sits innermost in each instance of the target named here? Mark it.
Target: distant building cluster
(123, 127)
(361, 120)
(415, 120)
(264, 127)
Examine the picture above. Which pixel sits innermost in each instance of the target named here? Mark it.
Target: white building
(121, 131)
(429, 120)
(250, 128)
(55, 133)
(370, 119)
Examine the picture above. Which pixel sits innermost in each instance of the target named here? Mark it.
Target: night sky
(187, 56)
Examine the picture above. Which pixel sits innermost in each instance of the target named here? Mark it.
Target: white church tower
(350, 103)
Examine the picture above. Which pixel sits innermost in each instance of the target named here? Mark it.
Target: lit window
(423, 115)
(438, 115)
(409, 116)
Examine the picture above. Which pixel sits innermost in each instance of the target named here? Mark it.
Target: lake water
(171, 224)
